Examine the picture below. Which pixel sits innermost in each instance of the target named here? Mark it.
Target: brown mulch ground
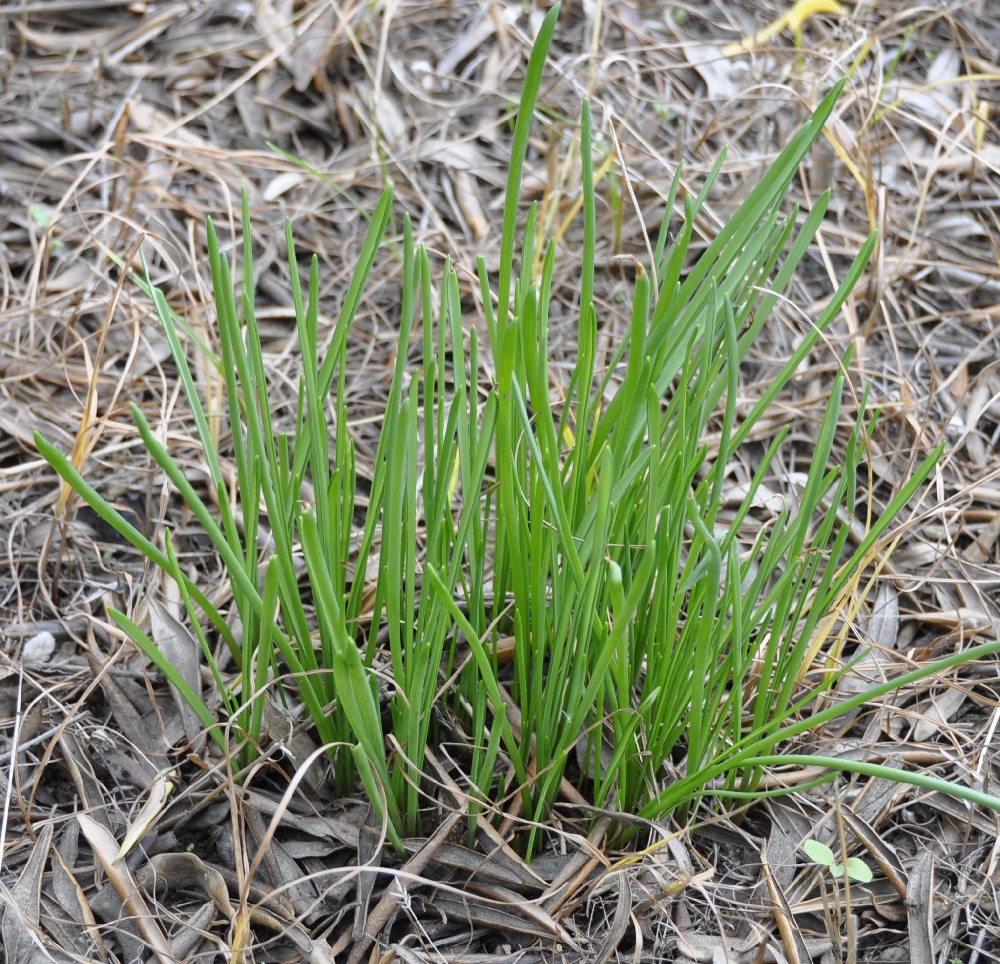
(126, 122)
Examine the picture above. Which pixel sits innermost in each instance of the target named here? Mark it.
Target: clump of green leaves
(591, 532)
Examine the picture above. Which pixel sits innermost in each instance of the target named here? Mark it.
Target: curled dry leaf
(187, 871)
(105, 849)
(163, 785)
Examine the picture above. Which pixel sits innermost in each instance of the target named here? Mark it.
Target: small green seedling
(855, 868)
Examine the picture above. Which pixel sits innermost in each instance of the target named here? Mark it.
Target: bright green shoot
(598, 535)
(854, 869)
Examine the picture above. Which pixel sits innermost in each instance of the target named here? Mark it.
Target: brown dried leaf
(620, 920)
(70, 894)
(467, 198)
(919, 919)
(125, 712)
(303, 49)
(186, 870)
(159, 793)
(504, 911)
(105, 849)
(791, 938)
(496, 867)
(87, 785)
(184, 653)
(935, 711)
(884, 855)
(20, 912)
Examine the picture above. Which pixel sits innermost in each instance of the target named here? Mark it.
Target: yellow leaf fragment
(982, 113)
(569, 439)
(805, 9)
(453, 481)
(794, 18)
